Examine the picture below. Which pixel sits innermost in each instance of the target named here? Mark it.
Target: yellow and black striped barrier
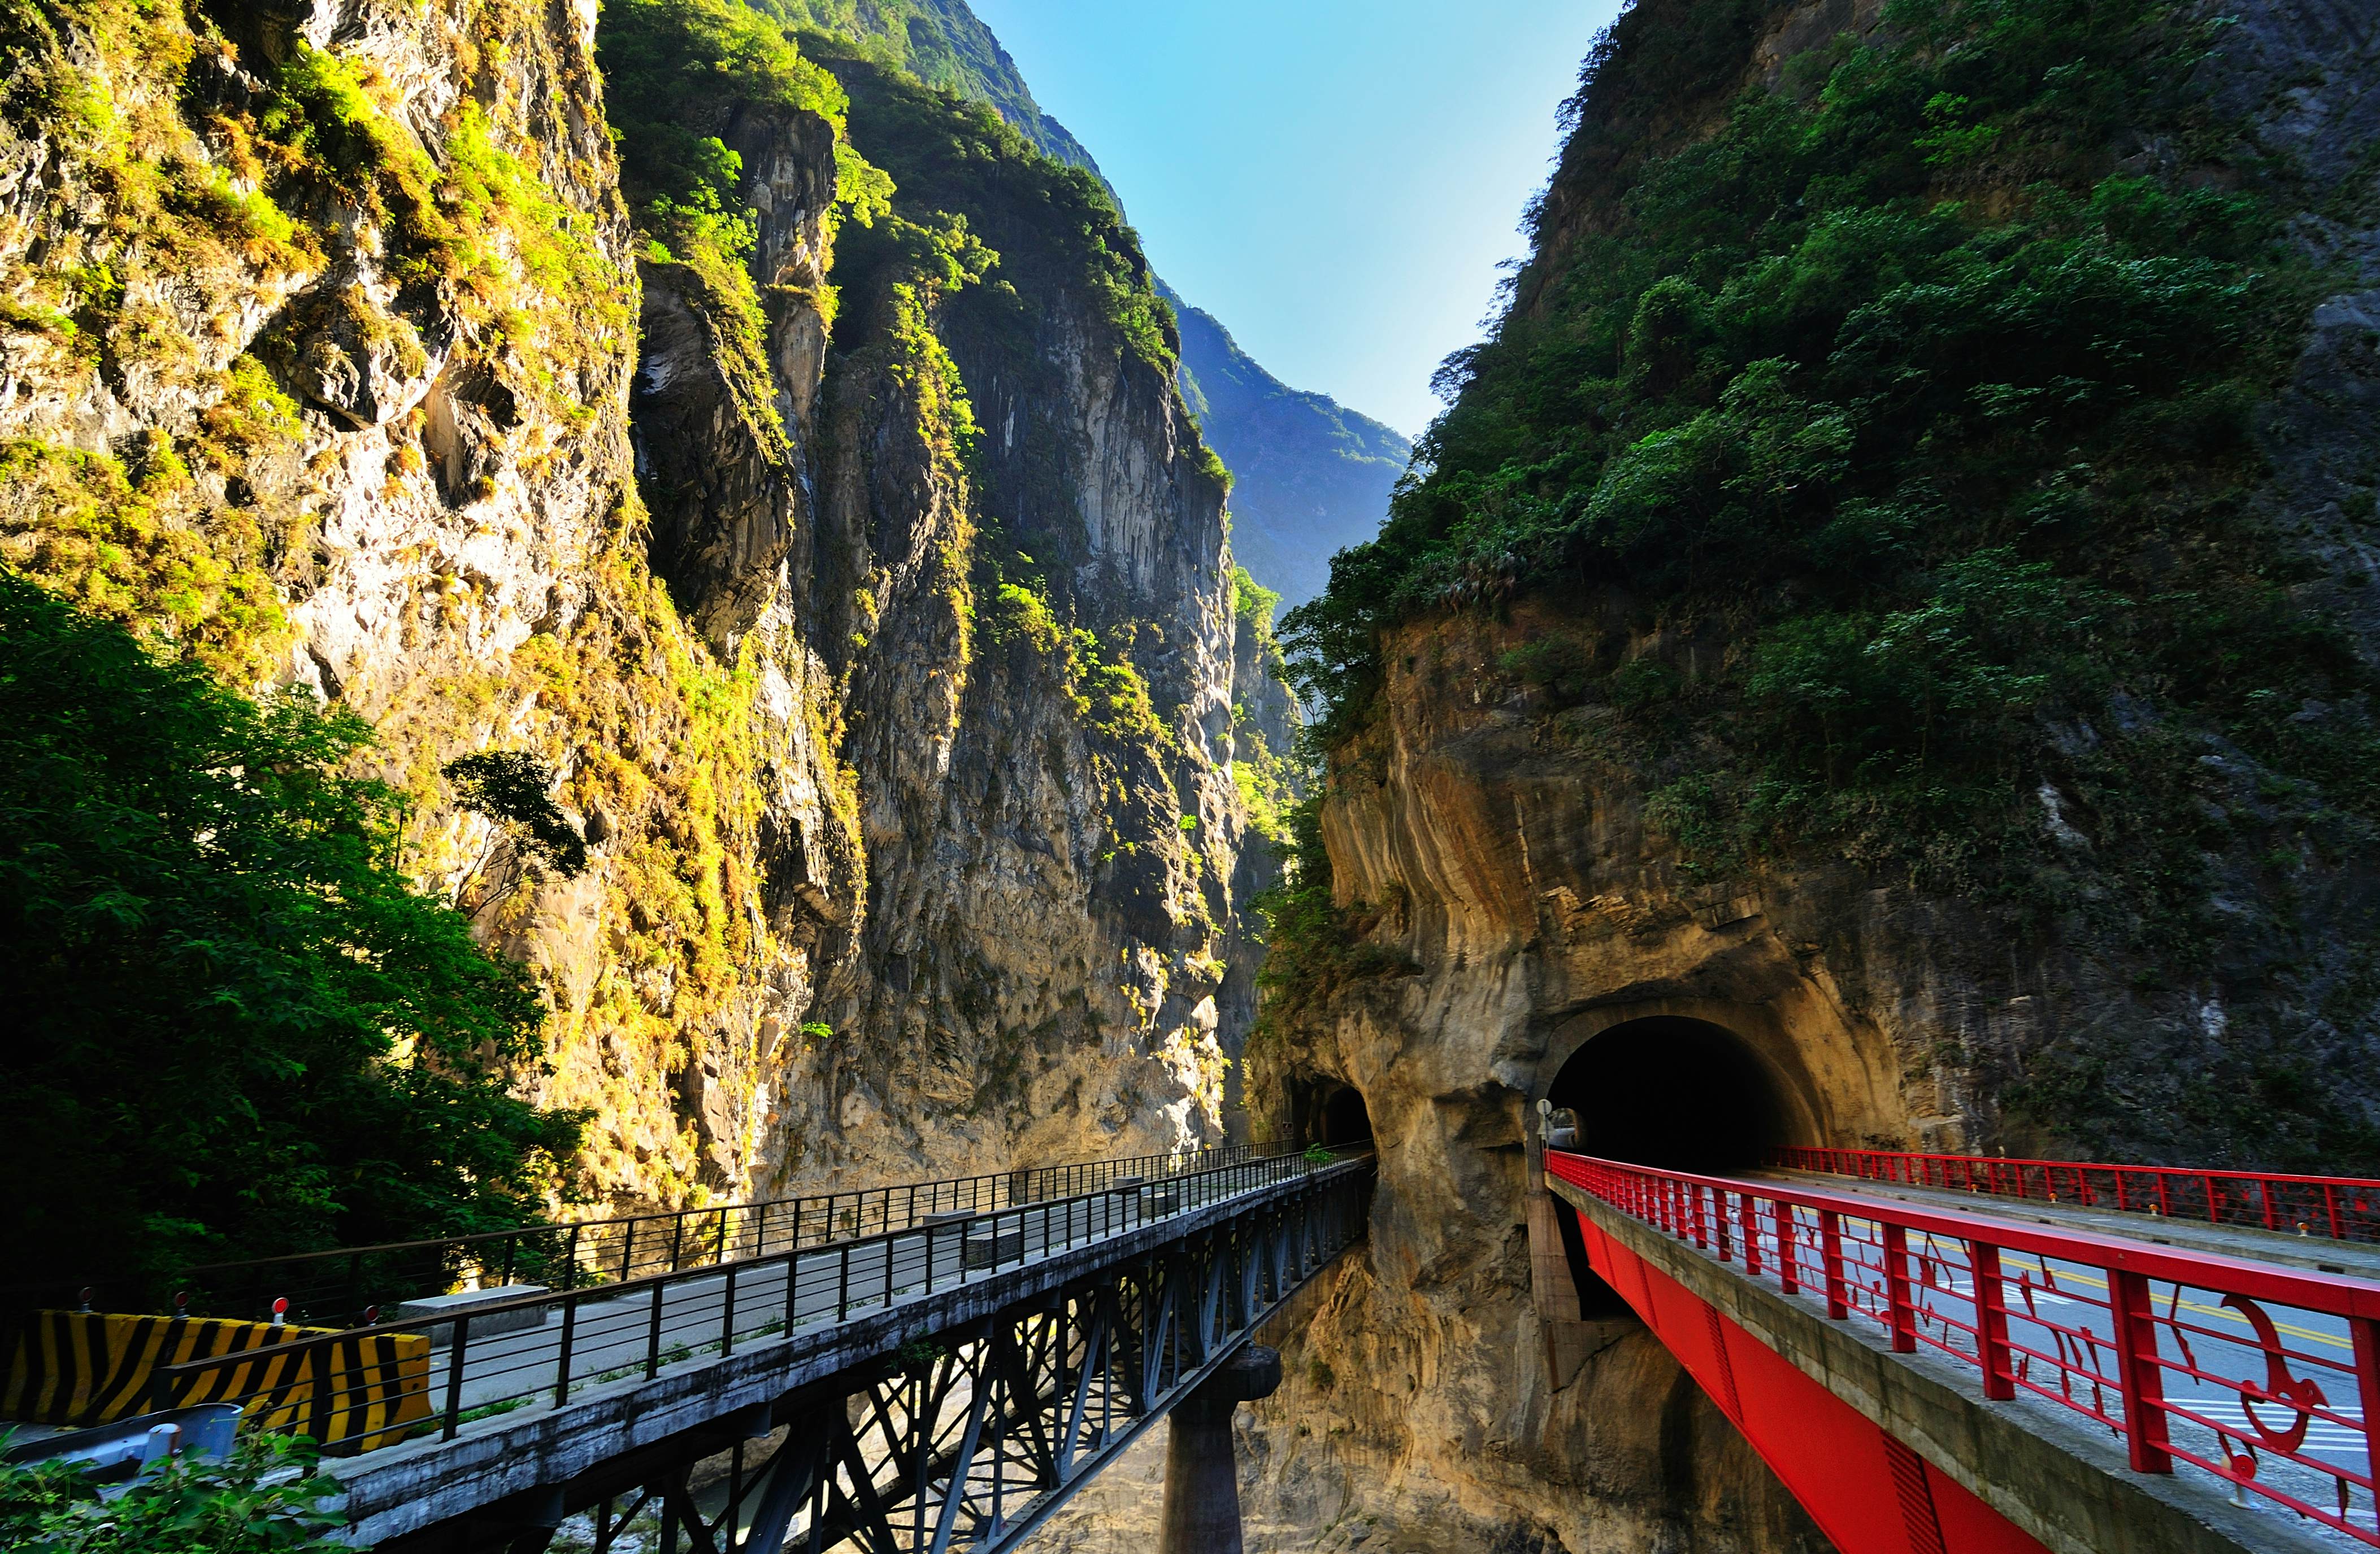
(81, 1369)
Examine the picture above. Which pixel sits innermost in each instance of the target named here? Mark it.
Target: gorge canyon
(764, 417)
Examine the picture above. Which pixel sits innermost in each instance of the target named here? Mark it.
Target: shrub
(264, 1500)
(510, 788)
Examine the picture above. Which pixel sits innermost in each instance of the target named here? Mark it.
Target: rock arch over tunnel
(1678, 1093)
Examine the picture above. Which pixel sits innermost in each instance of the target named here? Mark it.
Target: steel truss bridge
(944, 1385)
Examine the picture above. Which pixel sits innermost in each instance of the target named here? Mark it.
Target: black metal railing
(345, 1287)
(495, 1358)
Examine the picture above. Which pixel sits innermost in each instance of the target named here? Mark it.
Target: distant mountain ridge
(1310, 476)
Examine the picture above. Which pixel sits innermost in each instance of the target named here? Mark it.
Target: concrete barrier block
(442, 1335)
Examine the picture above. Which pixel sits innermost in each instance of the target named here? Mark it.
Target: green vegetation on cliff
(944, 45)
(1269, 781)
(678, 72)
(1313, 947)
(668, 65)
(212, 157)
(1881, 425)
(236, 1028)
(1054, 226)
(1928, 368)
(1059, 302)
(469, 232)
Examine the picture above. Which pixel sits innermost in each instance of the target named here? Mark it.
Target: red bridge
(1944, 1354)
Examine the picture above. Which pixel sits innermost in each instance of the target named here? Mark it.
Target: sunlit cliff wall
(870, 601)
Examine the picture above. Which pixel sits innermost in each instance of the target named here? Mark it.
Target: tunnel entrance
(1328, 1111)
(1679, 1094)
(1344, 1118)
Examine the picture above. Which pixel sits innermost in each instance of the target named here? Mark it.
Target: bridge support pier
(1202, 1473)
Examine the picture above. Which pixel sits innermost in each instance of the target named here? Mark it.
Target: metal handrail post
(2365, 1334)
(455, 1377)
(653, 1338)
(2138, 1378)
(1899, 1308)
(1992, 1351)
(561, 1364)
(1830, 1254)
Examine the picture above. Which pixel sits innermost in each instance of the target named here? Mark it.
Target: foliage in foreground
(237, 1027)
(188, 1505)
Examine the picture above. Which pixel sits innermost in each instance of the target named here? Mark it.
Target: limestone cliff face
(1266, 724)
(1040, 711)
(725, 465)
(328, 349)
(1514, 893)
(1527, 908)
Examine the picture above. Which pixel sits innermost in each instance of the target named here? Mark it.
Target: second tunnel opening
(1673, 1093)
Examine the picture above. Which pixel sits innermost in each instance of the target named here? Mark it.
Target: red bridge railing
(2338, 1207)
(2265, 1377)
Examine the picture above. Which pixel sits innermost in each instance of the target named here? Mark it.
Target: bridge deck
(2070, 1299)
(2229, 1371)
(613, 1338)
(2321, 1255)
(542, 1421)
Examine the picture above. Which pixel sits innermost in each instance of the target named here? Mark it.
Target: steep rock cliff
(946, 45)
(1521, 836)
(865, 585)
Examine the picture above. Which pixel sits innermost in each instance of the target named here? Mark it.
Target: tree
(236, 1028)
(510, 787)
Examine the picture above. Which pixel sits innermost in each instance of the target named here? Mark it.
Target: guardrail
(494, 1358)
(2338, 1207)
(345, 1286)
(2129, 1335)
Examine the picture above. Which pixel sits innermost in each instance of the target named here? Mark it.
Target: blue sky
(1336, 181)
